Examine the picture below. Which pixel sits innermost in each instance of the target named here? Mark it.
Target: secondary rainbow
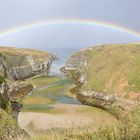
(86, 22)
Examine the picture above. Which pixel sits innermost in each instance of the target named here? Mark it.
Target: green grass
(110, 66)
(44, 80)
(17, 56)
(9, 128)
(54, 89)
(37, 108)
(2, 80)
(42, 99)
(127, 128)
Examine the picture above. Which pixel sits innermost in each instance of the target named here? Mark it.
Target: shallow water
(65, 99)
(60, 97)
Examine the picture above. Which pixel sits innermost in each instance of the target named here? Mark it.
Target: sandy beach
(73, 116)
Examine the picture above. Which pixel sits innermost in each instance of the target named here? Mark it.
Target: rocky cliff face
(17, 65)
(103, 75)
(11, 95)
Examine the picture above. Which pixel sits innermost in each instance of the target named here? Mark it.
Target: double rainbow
(86, 22)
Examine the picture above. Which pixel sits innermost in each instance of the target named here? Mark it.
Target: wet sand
(64, 116)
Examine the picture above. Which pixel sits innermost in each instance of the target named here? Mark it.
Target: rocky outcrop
(17, 65)
(11, 95)
(33, 67)
(5, 70)
(105, 101)
(77, 68)
(87, 97)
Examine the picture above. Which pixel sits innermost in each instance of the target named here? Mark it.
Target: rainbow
(86, 22)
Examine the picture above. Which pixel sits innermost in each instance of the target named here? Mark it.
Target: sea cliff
(106, 76)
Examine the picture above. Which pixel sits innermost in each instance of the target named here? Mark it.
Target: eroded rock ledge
(11, 95)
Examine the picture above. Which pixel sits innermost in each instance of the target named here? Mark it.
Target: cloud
(15, 12)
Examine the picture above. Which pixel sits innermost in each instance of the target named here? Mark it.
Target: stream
(60, 97)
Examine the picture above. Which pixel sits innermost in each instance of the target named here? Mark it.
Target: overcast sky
(16, 12)
(62, 39)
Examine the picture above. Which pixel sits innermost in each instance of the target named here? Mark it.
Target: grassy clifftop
(22, 51)
(17, 56)
(113, 69)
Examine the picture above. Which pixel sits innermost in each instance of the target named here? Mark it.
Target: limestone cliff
(106, 76)
(19, 64)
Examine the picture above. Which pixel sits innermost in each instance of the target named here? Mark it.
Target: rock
(17, 65)
(79, 69)
(20, 64)
(5, 70)
(10, 95)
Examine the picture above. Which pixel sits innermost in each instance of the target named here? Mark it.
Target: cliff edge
(19, 64)
(16, 65)
(106, 76)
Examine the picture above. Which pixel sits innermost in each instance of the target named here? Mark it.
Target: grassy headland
(113, 69)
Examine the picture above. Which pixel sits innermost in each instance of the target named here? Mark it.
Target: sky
(63, 40)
